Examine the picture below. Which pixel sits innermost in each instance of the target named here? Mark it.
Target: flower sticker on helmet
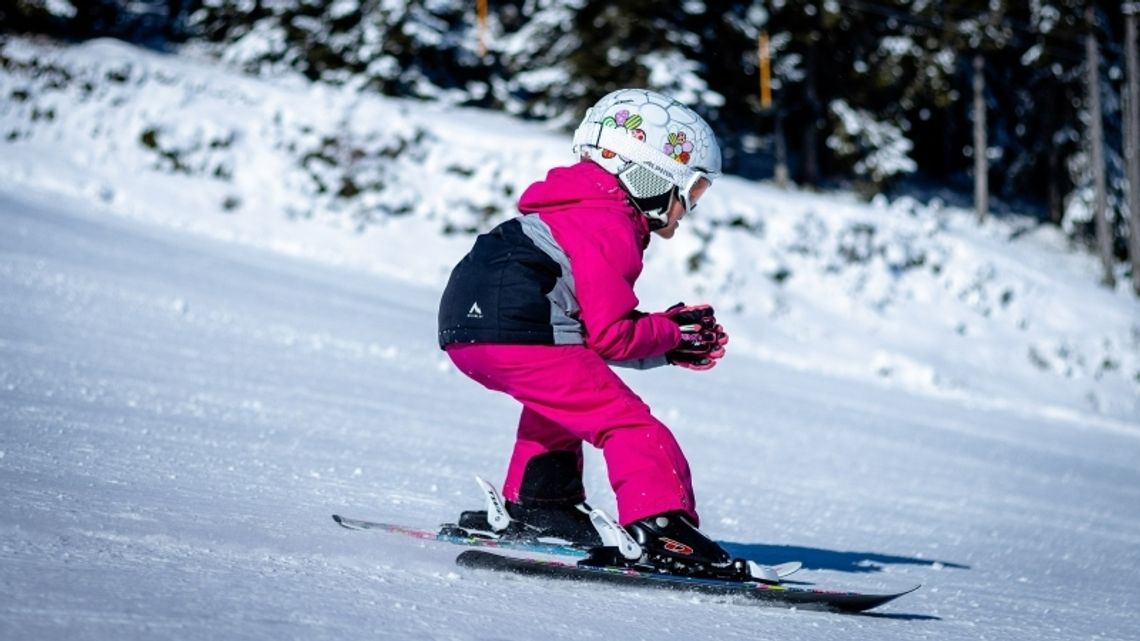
(678, 147)
(624, 120)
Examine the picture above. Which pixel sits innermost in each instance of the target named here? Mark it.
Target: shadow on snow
(840, 561)
(820, 559)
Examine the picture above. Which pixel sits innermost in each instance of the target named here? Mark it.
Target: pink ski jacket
(563, 273)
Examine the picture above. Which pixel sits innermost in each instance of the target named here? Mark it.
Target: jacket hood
(586, 189)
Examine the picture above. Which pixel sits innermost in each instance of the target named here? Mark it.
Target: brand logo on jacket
(475, 312)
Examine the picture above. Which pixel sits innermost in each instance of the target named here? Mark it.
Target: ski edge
(807, 598)
(471, 541)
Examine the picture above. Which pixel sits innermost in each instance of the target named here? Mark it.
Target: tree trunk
(1104, 234)
(981, 161)
(781, 148)
(811, 131)
(1056, 198)
(1053, 161)
(1132, 142)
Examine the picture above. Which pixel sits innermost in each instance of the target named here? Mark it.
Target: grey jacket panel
(642, 363)
(564, 308)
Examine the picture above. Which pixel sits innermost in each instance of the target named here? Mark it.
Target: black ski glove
(702, 338)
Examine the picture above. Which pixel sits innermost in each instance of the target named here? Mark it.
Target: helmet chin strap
(655, 208)
(656, 223)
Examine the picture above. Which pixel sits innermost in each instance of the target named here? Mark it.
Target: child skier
(544, 303)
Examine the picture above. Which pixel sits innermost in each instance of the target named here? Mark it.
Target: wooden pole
(481, 21)
(765, 70)
(763, 54)
(1104, 234)
(981, 159)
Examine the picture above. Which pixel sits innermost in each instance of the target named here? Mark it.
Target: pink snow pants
(570, 395)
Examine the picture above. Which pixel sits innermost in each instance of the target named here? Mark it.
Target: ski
(801, 597)
(451, 533)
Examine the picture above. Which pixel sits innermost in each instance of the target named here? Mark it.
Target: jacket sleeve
(603, 273)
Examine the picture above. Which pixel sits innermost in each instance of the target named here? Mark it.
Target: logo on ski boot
(676, 547)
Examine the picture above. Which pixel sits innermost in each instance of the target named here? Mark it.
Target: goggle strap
(621, 143)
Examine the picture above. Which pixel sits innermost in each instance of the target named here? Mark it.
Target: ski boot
(672, 544)
(569, 522)
(559, 523)
(565, 522)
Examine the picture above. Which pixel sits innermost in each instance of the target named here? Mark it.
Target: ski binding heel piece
(763, 573)
(497, 516)
(614, 535)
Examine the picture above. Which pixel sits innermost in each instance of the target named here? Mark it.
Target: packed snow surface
(197, 368)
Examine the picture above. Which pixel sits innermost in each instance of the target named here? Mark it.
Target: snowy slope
(181, 416)
(187, 392)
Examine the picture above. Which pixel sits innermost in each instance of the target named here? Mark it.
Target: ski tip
(350, 524)
(882, 599)
(901, 593)
(863, 602)
(896, 593)
(907, 590)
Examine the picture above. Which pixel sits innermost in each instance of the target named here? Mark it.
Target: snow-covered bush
(877, 151)
(922, 294)
(417, 48)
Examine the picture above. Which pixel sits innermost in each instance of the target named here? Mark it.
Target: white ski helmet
(656, 146)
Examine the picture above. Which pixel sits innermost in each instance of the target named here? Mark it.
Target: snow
(189, 390)
(859, 132)
(60, 8)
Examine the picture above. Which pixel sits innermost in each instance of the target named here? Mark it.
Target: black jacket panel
(499, 292)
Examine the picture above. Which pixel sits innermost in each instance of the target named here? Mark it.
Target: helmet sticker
(623, 119)
(678, 147)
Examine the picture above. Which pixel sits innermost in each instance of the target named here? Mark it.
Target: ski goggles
(653, 172)
(685, 192)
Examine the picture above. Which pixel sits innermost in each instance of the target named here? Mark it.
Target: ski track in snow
(181, 416)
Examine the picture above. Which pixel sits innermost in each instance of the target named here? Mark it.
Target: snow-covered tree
(872, 91)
